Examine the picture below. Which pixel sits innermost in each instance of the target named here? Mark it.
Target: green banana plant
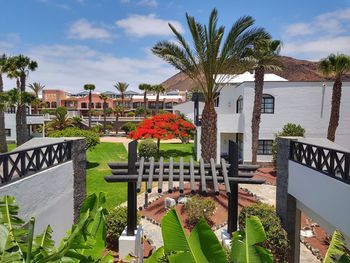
(336, 251)
(202, 245)
(85, 241)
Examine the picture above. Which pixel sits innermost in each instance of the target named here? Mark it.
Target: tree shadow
(90, 165)
(174, 153)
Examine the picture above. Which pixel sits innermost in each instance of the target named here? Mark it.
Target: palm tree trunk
(145, 103)
(3, 144)
(122, 104)
(335, 110)
(90, 101)
(157, 101)
(208, 133)
(104, 117)
(116, 123)
(22, 133)
(256, 118)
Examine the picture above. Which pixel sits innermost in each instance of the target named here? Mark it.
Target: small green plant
(128, 127)
(91, 138)
(277, 240)
(337, 251)
(202, 245)
(139, 111)
(199, 208)
(131, 114)
(148, 148)
(289, 129)
(81, 244)
(116, 223)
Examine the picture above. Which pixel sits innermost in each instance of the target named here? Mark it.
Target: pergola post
(132, 195)
(233, 196)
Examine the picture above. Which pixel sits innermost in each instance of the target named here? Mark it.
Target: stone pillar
(78, 154)
(286, 203)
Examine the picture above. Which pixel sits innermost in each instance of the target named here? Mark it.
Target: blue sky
(104, 41)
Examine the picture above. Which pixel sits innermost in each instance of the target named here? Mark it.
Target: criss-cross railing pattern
(16, 164)
(329, 161)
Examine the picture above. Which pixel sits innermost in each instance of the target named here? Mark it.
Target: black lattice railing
(17, 164)
(331, 162)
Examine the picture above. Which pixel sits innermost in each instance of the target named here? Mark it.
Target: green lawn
(11, 146)
(104, 153)
(97, 168)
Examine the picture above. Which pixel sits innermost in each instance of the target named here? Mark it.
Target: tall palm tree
(18, 67)
(104, 98)
(3, 144)
(335, 66)
(90, 88)
(158, 89)
(145, 88)
(208, 61)
(117, 110)
(37, 88)
(263, 57)
(122, 87)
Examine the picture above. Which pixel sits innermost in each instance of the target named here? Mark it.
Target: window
(8, 132)
(267, 104)
(239, 108)
(98, 105)
(265, 147)
(54, 104)
(11, 109)
(47, 105)
(83, 105)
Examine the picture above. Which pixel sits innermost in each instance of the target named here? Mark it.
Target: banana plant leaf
(244, 245)
(336, 251)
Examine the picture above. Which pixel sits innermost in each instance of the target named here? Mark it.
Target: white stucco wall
(47, 195)
(323, 198)
(299, 103)
(10, 123)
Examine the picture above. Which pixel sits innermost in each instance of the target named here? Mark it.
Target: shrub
(277, 241)
(148, 148)
(139, 111)
(116, 223)
(131, 114)
(199, 208)
(109, 127)
(91, 138)
(289, 129)
(128, 127)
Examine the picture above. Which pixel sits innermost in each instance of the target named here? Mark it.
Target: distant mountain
(293, 70)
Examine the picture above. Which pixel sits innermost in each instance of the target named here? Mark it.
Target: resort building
(77, 104)
(304, 103)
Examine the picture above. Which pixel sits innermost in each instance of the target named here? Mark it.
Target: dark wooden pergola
(229, 174)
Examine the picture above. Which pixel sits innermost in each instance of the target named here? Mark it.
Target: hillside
(293, 70)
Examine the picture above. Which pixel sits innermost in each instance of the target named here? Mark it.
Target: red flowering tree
(163, 127)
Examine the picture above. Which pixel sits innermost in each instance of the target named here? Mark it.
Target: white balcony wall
(35, 119)
(323, 198)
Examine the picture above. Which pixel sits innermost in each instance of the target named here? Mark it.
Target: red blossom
(164, 127)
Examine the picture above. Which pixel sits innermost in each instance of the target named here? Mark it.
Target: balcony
(35, 119)
(231, 122)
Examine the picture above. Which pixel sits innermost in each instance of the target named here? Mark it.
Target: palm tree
(263, 57)
(90, 88)
(18, 67)
(208, 62)
(104, 98)
(335, 66)
(145, 88)
(3, 144)
(158, 89)
(117, 110)
(122, 87)
(37, 88)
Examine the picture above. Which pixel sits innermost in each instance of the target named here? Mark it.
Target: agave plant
(83, 243)
(202, 245)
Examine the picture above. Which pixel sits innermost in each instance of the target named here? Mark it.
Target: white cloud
(316, 49)
(330, 23)
(149, 3)
(83, 29)
(323, 34)
(149, 25)
(70, 67)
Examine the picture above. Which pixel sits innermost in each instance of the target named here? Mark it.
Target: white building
(10, 123)
(304, 103)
